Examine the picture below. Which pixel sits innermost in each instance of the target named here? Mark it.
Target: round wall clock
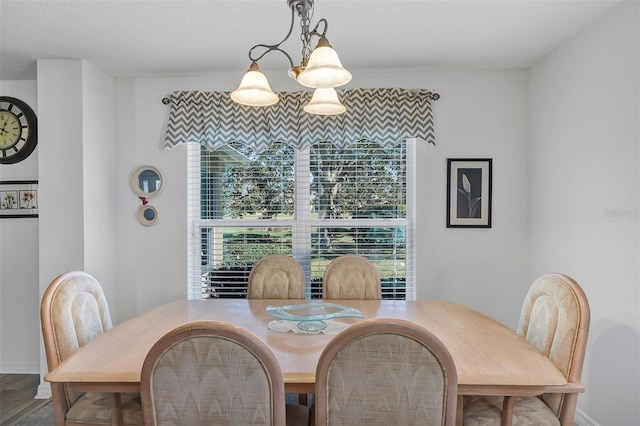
(18, 130)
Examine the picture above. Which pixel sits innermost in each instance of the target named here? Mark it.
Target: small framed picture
(18, 198)
(469, 192)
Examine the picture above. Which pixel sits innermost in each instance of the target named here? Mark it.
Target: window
(314, 204)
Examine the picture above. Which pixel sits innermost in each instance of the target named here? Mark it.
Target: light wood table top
(490, 358)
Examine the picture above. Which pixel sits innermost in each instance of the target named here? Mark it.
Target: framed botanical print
(469, 192)
(18, 198)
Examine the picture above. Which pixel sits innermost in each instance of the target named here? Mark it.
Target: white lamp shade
(254, 89)
(325, 102)
(324, 68)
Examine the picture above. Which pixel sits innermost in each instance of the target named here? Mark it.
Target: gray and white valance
(386, 116)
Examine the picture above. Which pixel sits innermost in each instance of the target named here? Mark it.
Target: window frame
(301, 224)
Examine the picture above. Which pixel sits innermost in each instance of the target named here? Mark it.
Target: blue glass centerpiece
(311, 316)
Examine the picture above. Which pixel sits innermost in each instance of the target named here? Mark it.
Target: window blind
(314, 204)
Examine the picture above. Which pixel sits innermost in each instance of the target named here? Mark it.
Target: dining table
(490, 358)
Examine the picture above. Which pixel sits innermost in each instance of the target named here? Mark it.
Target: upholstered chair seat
(95, 408)
(276, 276)
(351, 277)
(555, 319)
(385, 372)
(73, 312)
(487, 411)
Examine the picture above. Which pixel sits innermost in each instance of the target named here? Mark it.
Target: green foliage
(362, 181)
(359, 179)
(264, 186)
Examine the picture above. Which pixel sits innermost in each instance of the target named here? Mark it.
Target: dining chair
(276, 276)
(73, 312)
(385, 372)
(351, 276)
(210, 372)
(555, 319)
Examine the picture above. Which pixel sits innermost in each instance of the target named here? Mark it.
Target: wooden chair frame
(61, 402)
(219, 330)
(263, 262)
(574, 375)
(573, 387)
(386, 326)
(349, 258)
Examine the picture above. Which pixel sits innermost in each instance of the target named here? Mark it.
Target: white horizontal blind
(242, 206)
(314, 204)
(359, 205)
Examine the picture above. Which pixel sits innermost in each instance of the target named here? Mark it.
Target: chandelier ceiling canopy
(319, 68)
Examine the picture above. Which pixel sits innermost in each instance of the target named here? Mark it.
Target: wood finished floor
(17, 403)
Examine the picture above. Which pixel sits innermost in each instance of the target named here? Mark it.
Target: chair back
(555, 319)
(73, 312)
(385, 372)
(351, 276)
(276, 276)
(209, 372)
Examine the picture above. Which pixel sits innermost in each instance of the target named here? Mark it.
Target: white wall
(99, 177)
(77, 175)
(583, 197)
(19, 295)
(60, 126)
(77, 171)
(480, 114)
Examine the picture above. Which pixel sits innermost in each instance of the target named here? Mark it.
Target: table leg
(507, 410)
(459, 410)
(116, 409)
(59, 403)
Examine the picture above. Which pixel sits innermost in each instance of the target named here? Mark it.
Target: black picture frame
(18, 198)
(469, 185)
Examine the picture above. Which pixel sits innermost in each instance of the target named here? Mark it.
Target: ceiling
(148, 38)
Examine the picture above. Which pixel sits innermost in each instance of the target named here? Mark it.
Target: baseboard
(20, 368)
(582, 419)
(44, 391)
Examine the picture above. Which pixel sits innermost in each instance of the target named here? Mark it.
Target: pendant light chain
(305, 36)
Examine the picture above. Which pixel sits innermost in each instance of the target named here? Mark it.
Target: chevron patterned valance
(386, 116)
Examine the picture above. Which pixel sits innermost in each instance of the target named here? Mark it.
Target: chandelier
(319, 69)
